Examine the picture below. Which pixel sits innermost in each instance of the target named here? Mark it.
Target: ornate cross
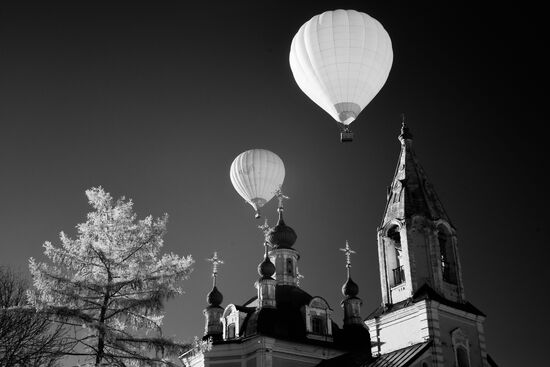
(281, 197)
(347, 251)
(216, 261)
(264, 227)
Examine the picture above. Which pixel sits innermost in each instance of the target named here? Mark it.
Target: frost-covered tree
(110, 283)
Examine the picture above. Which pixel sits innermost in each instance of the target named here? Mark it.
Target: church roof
(399, 358)
(287, 321)
(410, 192)
(425, 293)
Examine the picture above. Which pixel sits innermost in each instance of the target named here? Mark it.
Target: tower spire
(416, 239)
(410, 192)
(405, 133)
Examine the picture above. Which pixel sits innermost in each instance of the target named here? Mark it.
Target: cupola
(281, 236)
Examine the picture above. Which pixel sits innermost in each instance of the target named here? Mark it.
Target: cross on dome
(264, 227)
(216, 262)
(281, 197)
(347, 251)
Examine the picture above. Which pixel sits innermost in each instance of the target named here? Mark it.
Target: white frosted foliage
(111, 281)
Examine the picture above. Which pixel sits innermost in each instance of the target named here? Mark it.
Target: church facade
(424, 319)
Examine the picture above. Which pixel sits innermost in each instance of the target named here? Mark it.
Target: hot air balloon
(341, 59)
(256, 175)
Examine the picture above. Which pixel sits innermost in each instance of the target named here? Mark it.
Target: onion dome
(214, 298)
(266, 269)
(350, 288)
(281, 236)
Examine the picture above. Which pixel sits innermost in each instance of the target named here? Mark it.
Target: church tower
(417, 242)
(423, 299)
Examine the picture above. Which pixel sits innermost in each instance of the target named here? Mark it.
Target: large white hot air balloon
(341, 59)
(256, 175)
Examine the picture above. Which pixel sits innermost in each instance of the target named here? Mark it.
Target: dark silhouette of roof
(361, 358)
(287, 321)
(425, 293)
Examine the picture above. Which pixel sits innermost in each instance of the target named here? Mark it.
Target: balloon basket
(346, 136)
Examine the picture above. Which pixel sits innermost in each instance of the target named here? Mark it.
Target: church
(424, 320)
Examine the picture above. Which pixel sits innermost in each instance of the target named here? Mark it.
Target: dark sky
(154, 104)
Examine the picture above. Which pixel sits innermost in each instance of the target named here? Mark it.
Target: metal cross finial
(266, 246)
(264, 227)
(347, 251)
(280, 196)
(216, 262)
(403, 119)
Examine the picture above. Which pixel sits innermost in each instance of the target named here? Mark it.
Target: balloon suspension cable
(216, 262)
(257, 215)
(280, 197)
(347, 252)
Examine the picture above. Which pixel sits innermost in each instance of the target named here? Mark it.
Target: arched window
(394, 253)
(447, 258)
(318, 324)
(462, 359)
(393, 234)
(289, 267)
(461, 347)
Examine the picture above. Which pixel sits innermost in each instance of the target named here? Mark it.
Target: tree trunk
(101, 336)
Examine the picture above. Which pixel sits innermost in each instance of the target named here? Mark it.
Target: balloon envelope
(256, 175)
(341, 59)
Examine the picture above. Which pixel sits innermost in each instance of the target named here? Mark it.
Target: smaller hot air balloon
(341, 59)
(256, 175)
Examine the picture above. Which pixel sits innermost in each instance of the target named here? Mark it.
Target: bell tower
(417, 242)
(423, 302)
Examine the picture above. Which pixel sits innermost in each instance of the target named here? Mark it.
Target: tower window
(398, 275)
(462, 359)
(447, 259)
(393, 257)
(289, 267)
(394, 235)
(461, 348)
